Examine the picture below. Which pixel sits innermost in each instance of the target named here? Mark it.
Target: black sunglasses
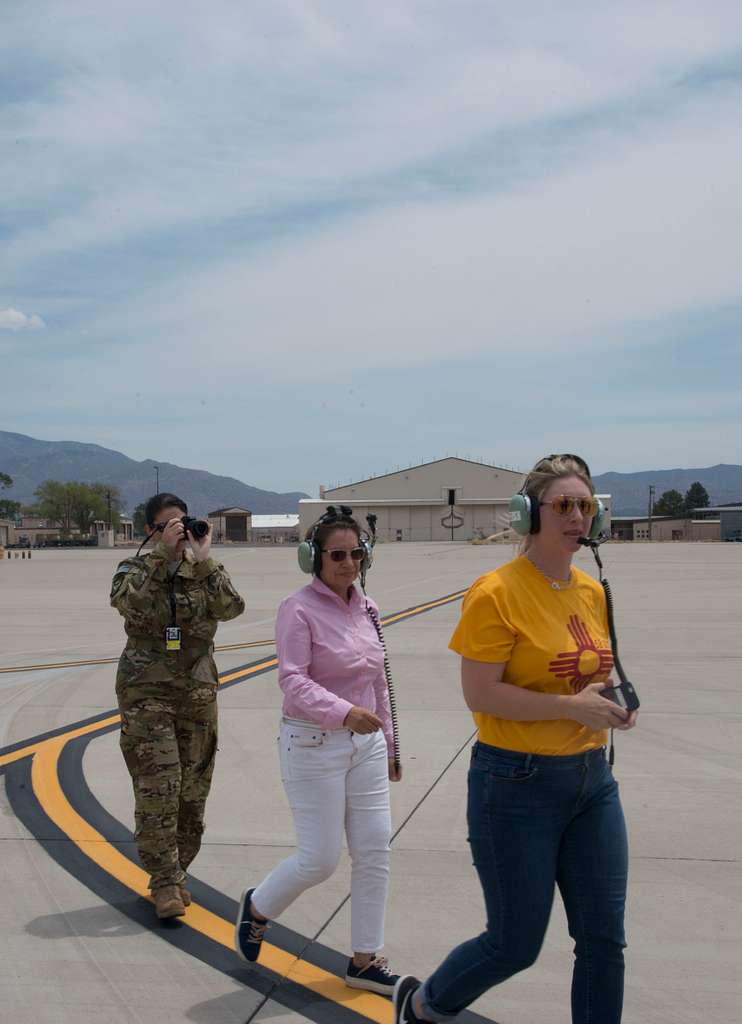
(340, 554)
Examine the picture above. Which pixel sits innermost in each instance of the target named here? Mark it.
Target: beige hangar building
(414, 504)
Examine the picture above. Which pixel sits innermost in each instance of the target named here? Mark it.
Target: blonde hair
(544, 473)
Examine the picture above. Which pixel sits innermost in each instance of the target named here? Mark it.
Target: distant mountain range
(29, 462)
(630, 491)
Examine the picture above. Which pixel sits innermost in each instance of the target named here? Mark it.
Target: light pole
(649, 512)
(157, 479)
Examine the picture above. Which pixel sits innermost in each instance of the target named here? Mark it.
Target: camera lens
(198, 528)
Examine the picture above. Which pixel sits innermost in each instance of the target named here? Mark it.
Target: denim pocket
(505, 771)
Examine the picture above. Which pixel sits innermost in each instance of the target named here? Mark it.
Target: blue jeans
(535, 821)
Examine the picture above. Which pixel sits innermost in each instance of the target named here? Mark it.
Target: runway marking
(112, 661)
(46, 751)
(54, 803)
(8, 756)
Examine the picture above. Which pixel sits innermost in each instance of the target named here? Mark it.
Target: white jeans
(335, 780)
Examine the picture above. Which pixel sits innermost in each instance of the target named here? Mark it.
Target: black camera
(198, 528)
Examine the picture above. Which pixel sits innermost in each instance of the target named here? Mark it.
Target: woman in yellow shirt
(543, 806)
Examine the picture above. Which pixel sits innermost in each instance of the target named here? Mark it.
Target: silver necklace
(553, 583)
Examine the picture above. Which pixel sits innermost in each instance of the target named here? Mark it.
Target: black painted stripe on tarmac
(69, 856)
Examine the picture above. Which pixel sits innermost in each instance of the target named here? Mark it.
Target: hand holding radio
(589, 707)
(362, 721)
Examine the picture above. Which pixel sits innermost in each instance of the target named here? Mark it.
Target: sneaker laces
(257, 930)
(381, 964)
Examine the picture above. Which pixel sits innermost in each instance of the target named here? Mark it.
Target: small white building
(276, 529)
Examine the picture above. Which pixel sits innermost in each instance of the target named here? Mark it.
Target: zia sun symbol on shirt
(584, 664)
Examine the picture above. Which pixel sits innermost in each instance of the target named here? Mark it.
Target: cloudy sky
(301, 241)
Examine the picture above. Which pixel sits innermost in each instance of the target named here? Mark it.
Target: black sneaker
(248, 931)
(374, 977)
(403, 990)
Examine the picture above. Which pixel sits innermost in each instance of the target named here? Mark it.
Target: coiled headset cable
(371, 541)
(389, 684)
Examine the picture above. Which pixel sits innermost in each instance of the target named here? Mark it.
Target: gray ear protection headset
(525, 512)
(309, 553)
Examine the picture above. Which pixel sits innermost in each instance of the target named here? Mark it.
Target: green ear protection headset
(525, 513)
(309, 553)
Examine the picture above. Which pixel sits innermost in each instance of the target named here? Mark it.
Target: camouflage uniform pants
(168, 739)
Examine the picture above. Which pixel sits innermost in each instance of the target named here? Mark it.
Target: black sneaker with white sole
(248, 931)
(374, 977)
(406, 986)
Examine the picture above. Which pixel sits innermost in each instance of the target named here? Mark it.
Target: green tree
(670, 503)
(111, 497)
(87, 506)
(5, 481)
(140, 521)
(55, 504)
(9, 509)
(75, 504)
(696, 497)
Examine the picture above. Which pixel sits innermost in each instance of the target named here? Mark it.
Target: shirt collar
(187, 564)
(321, 588)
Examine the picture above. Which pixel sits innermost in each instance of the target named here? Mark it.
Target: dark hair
(319, 534)
(158, 502)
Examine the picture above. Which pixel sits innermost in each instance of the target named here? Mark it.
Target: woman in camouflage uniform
(166, 689)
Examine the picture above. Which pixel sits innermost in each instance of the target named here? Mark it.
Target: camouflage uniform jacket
(144, 593)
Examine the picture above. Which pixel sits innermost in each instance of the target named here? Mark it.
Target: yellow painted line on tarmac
(83, 730)
(104, 723)
(49, 793)
(112, 661)
(243, 673)
(227, 677)
(423, 608)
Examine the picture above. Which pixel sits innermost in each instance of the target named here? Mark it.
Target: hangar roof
(429, 480)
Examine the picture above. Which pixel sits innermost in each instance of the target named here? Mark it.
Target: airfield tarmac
(82, 944)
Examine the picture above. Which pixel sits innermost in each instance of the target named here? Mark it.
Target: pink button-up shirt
(330, 657)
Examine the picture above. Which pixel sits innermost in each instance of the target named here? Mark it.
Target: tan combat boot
(185, 896)
(168, 901)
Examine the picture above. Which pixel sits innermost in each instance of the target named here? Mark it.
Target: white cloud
(167, 118)
(13, 320)
(638, 228)
(284, 191)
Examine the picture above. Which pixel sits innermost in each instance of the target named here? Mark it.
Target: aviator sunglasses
(339, 554)
(564, 505)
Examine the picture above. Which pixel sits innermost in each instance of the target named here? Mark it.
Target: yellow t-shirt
(552, 641)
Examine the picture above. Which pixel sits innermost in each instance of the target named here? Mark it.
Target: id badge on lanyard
(173, 633)
(172, 638)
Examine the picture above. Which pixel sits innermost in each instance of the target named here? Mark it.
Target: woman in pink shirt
(336, 750)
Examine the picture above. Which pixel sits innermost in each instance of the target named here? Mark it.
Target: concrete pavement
(75, 949)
